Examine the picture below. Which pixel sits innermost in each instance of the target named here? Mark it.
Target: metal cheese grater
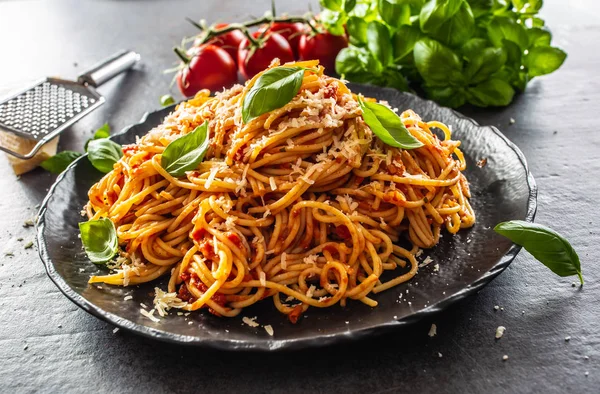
(49, 106)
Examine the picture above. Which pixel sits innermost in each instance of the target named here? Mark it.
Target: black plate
(502, 190)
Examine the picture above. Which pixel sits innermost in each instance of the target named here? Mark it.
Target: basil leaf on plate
(186, 152)
(544, 60)
(387, 125)
(102, 132)
(272, 90)
(379, 42)
(99, 238)
(59, 162)
(546, 245)
(104, 153)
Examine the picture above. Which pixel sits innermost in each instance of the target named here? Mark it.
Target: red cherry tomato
(210, 67)
(228, 41)
(273, 46)
(290, 31)
(323, 47)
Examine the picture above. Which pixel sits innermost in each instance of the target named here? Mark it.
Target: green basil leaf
(506, 28)
(357, 30)
(472, 48)
(437, 64)
(493, 92)
(404, 40)
(349, 61)
(102, 132)
(481, 7)
(334, 5)
(436, 12)
(272, 90)
(333, 21)
(99, 238)
(394, 79)
(394, 12)
(544, 60)
(349, 5)
(546, 245)
(446, 96)
(485, 64)
(379, 42)
(514, 54)
(166, 100)
(530, 7)
(539, 37)
(186, 152)
(104, 153)
(387, 125)
(537, 22)
(59, 162)
(456, 30)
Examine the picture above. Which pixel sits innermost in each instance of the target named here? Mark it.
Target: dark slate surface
(47, 344)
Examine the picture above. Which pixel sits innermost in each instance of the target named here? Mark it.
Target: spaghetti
(303, 205)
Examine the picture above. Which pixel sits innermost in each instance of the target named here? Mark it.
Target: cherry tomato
(273, 46)
(228, 41)
(323, 47)
(290, 31)
(210, 67)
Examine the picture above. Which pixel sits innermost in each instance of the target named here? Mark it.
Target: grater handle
(109, 68)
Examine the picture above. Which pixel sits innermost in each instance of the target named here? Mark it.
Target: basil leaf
(387, 125)
(544, 60)
(102, 132)
(379, 42)
(166, 100)
(539, 37)
(403, 41)
(349, 5)
(272, 90)
(104, 153)
(493, 92)
(333, 21)
(486, 63)
(59, 162)
(458, 29)
(186, 152)
(546, 245)
(394, 79)
(447, 96)
(436, 12)
(436, 63)
(357, 30)
(334, 5)
(99, 238)
(350, 61)
(481, 7)
(502, 27)
(394, 12)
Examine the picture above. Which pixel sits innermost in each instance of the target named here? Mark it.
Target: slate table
(47, 344)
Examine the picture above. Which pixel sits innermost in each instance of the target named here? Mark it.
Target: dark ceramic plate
(502, 190)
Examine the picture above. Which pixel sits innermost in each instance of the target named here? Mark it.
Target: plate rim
(282, 344)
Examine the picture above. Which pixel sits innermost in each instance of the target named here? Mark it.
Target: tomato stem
(182, 55)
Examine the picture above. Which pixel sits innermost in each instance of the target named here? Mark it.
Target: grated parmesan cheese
(150, 315)
(263, 279)
(310, 291)
(164, 301)
(312, 259)
(250, 322)
(500, 331)
(272, 183)
(269, 330)
(284, 260)
(211, 177)
(426, 262)
(432, 330)
(127, 298)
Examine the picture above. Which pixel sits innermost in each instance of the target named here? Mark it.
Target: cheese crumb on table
(500, 331)
(432, 330)
(505, 357)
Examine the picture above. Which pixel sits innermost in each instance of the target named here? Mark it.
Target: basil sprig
(387, 125)
(102, 132)
(99, 238)
(59, 162)
(272, 90)
(185, 153)
(546, 245)
(104, 153)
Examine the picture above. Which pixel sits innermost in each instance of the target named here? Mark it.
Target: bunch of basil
(455, 51)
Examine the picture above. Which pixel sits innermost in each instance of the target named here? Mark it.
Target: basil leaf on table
(99, 238)
(394, 12)
(387, 125)
(102, 132)
(186, 152)
(59, 162)
(493, 92)
(272, 90)
(546, 245)
(379, 42)
(437, 64)
(104, 153)
(544, 60)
